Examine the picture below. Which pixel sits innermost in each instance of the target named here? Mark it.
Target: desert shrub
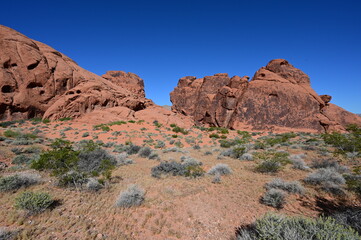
(145, 152)
(196, 147)
(133, 196)
(177, 129)
(153, 156)
(23, 159)
(86, 134)
(60, 159)
(350, 217)
(353, 182)
(299, 164)
(33, 202)
(269, 166)
(168, 168)
(189, 161)
(95, 160)
(11, 134)
(72, 178)
(329, 163)
(14, 182)
(274, 197)
(7, 234)
(290, 187)
(350, 142)
(2, 138)
(173, 149)
(217, 178)
(324, 175)
(221, 169)
(65, 119)
(271, 162)
(160, 144)
(133, 149)
(227, 143)
(10, 123)
(214, 135)
(122, 159)
(194, 171)
(73, 166)
(274, 227)
(157, 124)
(93, 185)
(246, 157)
(207, 153)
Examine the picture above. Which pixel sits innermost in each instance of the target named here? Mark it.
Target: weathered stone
(279, 96)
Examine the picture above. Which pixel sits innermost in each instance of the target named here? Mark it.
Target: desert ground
(200, 206)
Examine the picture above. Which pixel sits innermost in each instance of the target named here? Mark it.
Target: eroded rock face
(279, 96)
(129, 81)
(36, 81)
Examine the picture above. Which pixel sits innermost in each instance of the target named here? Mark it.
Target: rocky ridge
(279, 97)
(39, 81)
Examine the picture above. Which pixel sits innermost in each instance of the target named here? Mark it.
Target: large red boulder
(279, 97)
(38, 81)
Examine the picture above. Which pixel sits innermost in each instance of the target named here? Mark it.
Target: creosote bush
(33, 202)
(278, 227)
(71, 166)
(133, 196)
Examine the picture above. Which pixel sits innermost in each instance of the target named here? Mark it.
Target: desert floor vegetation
(147, 180)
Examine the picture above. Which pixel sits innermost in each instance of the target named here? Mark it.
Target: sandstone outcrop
(279, 97)
(38, 81)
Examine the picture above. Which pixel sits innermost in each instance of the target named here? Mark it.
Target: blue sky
(162, 41)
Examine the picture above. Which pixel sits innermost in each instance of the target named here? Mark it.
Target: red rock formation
(279, 96)
(36, 80)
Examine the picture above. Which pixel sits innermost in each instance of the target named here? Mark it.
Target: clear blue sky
(162, 41)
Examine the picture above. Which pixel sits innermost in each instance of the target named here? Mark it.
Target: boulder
(279, 97)
(38, 81)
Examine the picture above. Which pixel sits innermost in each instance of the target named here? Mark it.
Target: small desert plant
(133, 149)
(276, 227)
(269, 166)
(133, 196)
(299, 164)
(290, 187)
(324, 175)
(169, 168)
(329, 163)
(33, 202)
(217, 178)
(86, 134)
(14, 182)
(221, 169)
(274, 197)
(194, 171)
(246, 157)
(23, 159)
(350, 217)
(7, 234)
(145, 152)
(122, 159)
(93, 185)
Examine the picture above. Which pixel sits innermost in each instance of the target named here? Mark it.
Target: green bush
(33, 202)
(65, 119)
(73, 166)
(177, 129)
(214, 135)
(278, 227)
(344, 143)
(271, 162)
